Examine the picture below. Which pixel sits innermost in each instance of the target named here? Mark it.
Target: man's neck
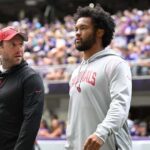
(87, 54)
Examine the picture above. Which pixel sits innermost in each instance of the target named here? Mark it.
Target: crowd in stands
(51, 45)
(51, 48)
(132, 39)
(138, 128)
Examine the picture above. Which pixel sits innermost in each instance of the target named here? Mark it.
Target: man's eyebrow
(82, 25)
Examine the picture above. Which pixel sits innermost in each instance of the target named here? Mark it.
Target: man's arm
(120, 92)
(32, 112)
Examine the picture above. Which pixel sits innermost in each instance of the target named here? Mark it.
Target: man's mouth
(18, 56)
(78, 40)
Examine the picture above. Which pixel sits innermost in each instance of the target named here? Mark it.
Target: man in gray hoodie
(100, 88)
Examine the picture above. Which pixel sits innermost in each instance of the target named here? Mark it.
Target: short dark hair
(101, 20)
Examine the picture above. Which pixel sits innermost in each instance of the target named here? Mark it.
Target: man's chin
(80, 49)
(18, 61)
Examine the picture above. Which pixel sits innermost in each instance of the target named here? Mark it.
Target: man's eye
(13, 44)
(82, 28)
(76, 29)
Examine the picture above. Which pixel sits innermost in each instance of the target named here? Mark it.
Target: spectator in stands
(143, 67)
(21, 94)
(44, 129)
(56, 129)
(134, 129)
(142, 129)
(100, 88)
(139, 129)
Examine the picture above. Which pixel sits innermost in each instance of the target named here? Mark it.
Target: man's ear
(100, 33)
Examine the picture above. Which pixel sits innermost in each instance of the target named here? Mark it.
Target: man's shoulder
(27, 72)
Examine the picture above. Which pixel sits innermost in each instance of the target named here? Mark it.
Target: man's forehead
(84, 21)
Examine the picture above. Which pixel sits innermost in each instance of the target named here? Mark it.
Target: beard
(85, 44)
(10, 62)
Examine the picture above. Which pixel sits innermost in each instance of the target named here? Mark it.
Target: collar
(13, 69)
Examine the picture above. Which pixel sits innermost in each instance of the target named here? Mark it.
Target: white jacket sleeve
(120, 86)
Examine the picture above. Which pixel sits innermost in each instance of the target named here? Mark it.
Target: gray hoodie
(100, 96)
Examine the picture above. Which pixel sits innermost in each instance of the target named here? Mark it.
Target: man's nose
(78, 32)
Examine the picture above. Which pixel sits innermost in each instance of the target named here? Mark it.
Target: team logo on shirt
(85, 76)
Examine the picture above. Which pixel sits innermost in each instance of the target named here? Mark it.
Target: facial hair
(8, 63)
(86, 44)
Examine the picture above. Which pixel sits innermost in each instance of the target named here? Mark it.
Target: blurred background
(50, 50)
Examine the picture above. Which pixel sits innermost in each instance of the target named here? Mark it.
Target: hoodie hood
(13, 69)
(100, 54)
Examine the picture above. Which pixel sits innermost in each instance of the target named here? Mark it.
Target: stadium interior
(56, 15)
